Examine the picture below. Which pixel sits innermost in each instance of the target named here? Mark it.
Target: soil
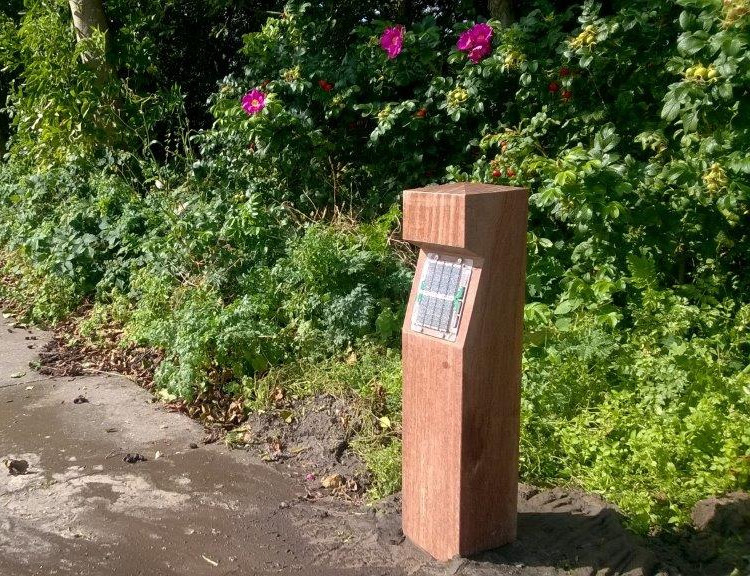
(81, 509)
(561, 531)
(313, 445)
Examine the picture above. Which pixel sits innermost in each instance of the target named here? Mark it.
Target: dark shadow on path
(577, 533)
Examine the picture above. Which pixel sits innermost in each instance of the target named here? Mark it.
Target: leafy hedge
(262, 250)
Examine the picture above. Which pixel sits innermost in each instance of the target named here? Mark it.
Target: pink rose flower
(476, 41)
(482, 33)
(479, 52)
(465, 41)
(253, 102)
(392, 41)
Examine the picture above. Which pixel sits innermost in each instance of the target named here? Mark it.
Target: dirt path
(81, 509)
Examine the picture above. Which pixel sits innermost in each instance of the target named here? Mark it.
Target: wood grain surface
(462, 399)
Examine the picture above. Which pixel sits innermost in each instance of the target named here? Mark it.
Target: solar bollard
(462, 366)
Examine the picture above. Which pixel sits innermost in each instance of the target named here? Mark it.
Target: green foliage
(385, 464)
(342, 284)
(57, 107)
(330, 287)
(260, 253)
(626, 200)
(370, 379)
(654, 420)
(69, 227)
(38, 296)
(320, 148)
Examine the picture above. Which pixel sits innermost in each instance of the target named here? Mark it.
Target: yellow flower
(291, 74)
(456, 97)
(513, 59)
(384, 113)
(715, 178)
(587, 37)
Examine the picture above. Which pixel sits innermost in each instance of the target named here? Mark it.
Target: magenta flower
(253, 102)
(479, 52)
(482, 33)
(392, 41)
(476, 41)
(465, 41)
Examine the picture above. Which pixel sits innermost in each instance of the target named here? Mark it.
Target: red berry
(326, 86)
(566, 95)
(553, 87)
(510, 173)
(421, 113)
(496, 173)
(564, 71)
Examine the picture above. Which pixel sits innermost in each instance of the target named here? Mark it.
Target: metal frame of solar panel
(442, 289)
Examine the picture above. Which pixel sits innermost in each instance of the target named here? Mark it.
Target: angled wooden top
(465, 188)
(464, 217)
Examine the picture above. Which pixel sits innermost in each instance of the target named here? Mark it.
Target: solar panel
(440, 297)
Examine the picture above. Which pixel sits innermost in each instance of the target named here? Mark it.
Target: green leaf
(690, 44)
(740, 164)
(686, 19)
(671, 110)
(642, 271)
(724, 90)
(566, 306)
(732, 46)
(690, 121)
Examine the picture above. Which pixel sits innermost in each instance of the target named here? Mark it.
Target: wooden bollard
(462, 366)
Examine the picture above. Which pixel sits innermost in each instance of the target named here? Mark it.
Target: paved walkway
(82, 510)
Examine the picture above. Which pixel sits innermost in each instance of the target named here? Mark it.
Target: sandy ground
(81, 509)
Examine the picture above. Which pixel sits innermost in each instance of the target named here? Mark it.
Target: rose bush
(638, 189)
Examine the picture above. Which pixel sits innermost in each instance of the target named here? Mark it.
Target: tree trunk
(501, 10)
(88, 16)
(88, 19)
